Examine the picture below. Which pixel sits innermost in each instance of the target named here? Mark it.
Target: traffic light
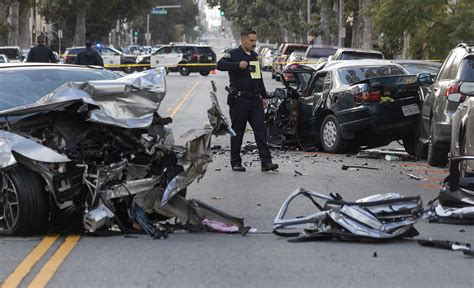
(135, 33)
(222, 12)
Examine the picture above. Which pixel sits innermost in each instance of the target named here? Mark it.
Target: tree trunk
(3, 22)
(80, 30)
(25, 30)
(366, 25)
(325, 24)
(335, 30)
(356, 30)
(406, 44)
(14, 23)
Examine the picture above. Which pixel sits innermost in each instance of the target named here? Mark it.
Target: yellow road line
(27, 264)
(176, 109)
(48, 270)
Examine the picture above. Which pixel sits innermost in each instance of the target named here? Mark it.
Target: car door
(175, 57)
(110, 57)
(158, 59)
(309, 103)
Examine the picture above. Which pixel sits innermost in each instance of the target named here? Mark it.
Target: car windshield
(415, 68)
(355, 74)
(349, 55)
(467, 70)
(320, 52)
(291, 49)
(11, 53)
(21, 86)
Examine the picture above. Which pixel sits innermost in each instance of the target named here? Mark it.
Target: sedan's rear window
(360, 55)
(23, 86)
(320, 52)
(355, 74)
(467, 70)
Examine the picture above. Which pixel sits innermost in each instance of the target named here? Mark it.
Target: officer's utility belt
(242, 94)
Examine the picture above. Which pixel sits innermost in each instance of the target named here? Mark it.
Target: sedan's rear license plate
(411, 109)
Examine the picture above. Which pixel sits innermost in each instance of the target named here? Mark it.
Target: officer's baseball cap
(40, 39)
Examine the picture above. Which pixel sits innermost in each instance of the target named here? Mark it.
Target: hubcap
(8, 204)
(329, 134)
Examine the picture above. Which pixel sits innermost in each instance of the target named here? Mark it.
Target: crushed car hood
(128, 102)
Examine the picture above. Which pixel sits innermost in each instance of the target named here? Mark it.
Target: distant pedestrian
(89, 56)
(247, 99)
(41, 52)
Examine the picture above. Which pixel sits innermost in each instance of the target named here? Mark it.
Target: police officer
(41, 53)
(89, 56)
(247, 99)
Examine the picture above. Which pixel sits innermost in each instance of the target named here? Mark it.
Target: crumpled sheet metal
(452, 207)
(189, 212)
(217, 119)
(10, 142)
(128, 102)
(379, 217)
(197, 157)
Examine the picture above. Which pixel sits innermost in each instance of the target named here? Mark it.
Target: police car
(113, 58)
(182, 58)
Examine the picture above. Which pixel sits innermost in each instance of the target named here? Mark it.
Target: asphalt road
(261, 259)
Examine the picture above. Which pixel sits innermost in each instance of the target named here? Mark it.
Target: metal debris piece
(448, 245)
(378, 217)
(415, 177)
(348, 167)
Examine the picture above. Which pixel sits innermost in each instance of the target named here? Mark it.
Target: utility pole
(147, 35)
(342, 28)
(308, 19)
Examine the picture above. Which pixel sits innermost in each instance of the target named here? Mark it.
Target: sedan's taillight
(371, 96)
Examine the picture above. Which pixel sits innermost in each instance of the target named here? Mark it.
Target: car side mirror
(466, 88)
(425, 78)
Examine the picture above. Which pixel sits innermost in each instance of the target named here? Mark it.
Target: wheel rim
(330, 134)
(8, 204)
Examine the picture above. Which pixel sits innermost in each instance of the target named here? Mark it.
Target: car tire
(205, 73)
(421, 151)
(437, 156)
(184, 71)
(167, 71)
(330, 136)
(273, 75)
(30, 213)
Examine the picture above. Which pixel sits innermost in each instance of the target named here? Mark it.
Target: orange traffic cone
(213, 72)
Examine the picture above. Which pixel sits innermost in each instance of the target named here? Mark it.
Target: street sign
(159, 11)
(60, 33)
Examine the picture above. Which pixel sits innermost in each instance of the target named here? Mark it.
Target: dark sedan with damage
(346, 105)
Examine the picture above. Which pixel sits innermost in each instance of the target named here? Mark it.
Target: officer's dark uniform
(41, 53)
(89, 57)
(245, 103)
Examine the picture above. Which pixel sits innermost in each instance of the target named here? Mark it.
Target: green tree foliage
(434, 26)
(173, 25)
(101, 16)
(269, 18)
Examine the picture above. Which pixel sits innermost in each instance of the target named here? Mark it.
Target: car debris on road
(378, 217)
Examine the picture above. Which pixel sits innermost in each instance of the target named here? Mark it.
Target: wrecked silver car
(377, 218)
(455, 202)
(99, 149)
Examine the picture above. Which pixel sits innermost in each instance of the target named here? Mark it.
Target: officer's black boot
(238, 167)
(269, 167)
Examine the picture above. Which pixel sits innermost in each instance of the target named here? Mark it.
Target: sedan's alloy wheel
(8, 204)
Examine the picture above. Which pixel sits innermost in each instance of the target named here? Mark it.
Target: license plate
(411, 109)
(209, 58)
